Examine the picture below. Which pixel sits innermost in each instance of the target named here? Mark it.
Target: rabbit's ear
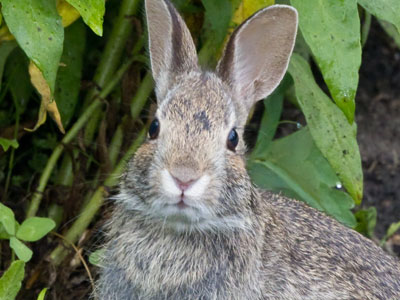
(257, 55)
(171, 47)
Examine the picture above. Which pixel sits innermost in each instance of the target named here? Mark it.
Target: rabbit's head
(190, 173)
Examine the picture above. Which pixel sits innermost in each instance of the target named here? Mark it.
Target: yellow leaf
(5, 34)
(47, 104)
(249, 7)
(67, 12)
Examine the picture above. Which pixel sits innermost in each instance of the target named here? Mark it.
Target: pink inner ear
(262, 49)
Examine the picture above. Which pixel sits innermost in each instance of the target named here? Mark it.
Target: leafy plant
(97, 90)
(31, 230)
(10, 282)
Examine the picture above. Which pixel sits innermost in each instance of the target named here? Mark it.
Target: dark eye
(154, 129)
(233, 140)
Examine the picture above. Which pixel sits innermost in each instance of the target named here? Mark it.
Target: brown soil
(378, 119)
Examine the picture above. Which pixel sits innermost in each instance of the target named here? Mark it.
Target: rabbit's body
(188, 222)
(290, 251)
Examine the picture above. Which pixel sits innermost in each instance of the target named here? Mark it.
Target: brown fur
(233, 241)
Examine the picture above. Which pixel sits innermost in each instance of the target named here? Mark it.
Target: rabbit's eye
(233, 140)
(154, 129)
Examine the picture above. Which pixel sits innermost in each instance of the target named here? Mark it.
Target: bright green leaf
(392, 229)
(295, 166)
(10, 282)
(7, 219)
(331, 29)
(69, 75)
(96, 257)
(387, 10)
(33, 229)
(42, 294)
(37, 28)
(7, 143)
(3, 233)
(20, 249)
(5, 49)
(92, 12)
(332, 134)
(366, 221)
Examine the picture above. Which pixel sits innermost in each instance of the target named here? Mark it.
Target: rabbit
(188, 223)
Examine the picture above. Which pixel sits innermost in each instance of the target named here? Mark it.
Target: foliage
(10, 282)
(98, 91)
(31, 230)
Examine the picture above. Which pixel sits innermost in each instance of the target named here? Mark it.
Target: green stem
(365, 27)
(116, 143)
(110, 59)
(11, 161)
(95, 202)
(141, 96)
(51, 163)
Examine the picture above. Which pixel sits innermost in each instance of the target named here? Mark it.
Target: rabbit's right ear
(257, 55)
(171, 46)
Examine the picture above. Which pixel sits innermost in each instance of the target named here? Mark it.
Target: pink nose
(183, 185)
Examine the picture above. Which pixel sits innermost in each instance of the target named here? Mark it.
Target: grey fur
(235, 241)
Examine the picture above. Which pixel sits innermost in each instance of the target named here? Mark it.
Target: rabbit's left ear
(258, 53)
(171, 46)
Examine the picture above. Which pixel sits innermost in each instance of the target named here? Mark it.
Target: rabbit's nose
(184, 177)
(183, 185)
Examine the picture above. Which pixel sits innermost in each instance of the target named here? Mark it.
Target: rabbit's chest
(167, 270)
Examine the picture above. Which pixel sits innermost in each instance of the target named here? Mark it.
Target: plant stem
(95, 202)
(51, 163)
(11, 161)
(141, 96)
(365, 28)
(110, 59)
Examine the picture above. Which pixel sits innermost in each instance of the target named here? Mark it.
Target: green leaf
(96, 257)
(42, 294)
(10, 282)
(391, 30)
(7, 143)
(5, 49)
(332, 134)
(33, 229)
(22, 251)
(37, 28)
(92, 12)
(7, 219)
(294, 165)
(366, 221)
(69, 76)
(3, 233)
(392, 229)
(387, 10)
(270, 120)
(18, 79)
(331, 29)
(217, 17)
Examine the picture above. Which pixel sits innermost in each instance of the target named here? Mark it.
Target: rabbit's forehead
(200, 102)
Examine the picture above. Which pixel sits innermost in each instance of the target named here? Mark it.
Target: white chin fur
(195, 191)
(188, 219)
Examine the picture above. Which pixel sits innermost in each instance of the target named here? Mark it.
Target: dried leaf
(48, 104)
